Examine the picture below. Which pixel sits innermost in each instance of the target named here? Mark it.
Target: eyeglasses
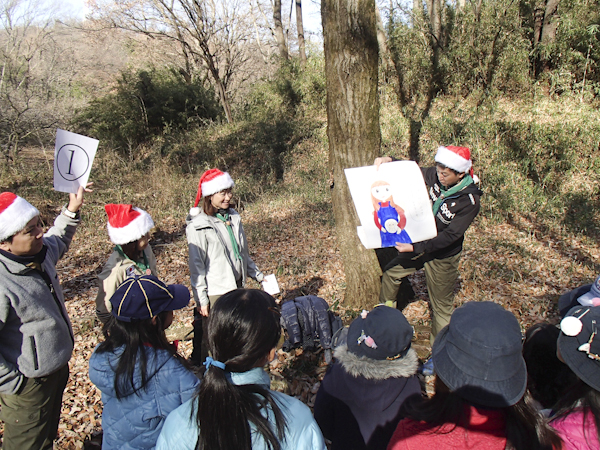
(226, 192)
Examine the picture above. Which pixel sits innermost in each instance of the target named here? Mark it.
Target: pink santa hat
(211, 182)
(456, 158)
(127, 223)
(15, 213)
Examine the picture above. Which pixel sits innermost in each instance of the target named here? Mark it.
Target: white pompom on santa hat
(15, 213)
(127, 223)
(211, 182)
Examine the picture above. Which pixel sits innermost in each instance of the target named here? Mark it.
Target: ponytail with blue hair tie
(211, 362)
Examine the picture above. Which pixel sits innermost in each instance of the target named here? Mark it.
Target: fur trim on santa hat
(127, 223)
(211, 182)
(456, 158)
(15, 213)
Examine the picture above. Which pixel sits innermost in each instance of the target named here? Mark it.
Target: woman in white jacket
(219, 260)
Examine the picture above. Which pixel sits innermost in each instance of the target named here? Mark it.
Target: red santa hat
(211, 182)
(127, 223)
(455, 158)
(15, 213)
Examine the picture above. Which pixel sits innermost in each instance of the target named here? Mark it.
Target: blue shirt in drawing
(390, 232)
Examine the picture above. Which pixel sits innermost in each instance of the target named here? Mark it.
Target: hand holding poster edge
(73, 158)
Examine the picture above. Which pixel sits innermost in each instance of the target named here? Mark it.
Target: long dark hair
(548, 378)
(525, 428)
(208, 207)
(243, 327)
(581, 395)
(135, 336)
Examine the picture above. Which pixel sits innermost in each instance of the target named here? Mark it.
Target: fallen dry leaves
(519, 265)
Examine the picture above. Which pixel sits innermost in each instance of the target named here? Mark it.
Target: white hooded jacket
(210, 261)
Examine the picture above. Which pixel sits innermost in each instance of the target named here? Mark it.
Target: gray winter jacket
(36, 337)
(209, 260)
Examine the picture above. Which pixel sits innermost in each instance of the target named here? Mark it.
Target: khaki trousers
(31, 417)
(440, 275)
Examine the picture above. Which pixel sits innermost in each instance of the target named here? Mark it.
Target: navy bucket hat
(144, 297)
(478, 355)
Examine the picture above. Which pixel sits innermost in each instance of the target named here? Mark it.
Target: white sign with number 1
(73, 158)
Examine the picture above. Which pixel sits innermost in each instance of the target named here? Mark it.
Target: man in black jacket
(455, 199)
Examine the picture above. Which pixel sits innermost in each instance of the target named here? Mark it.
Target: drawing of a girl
(389, 217)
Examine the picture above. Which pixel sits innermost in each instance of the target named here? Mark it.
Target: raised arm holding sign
(73, 158)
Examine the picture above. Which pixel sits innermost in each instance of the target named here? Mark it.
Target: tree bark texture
(300, 27)
(545, 24)
(550, 22)
(351, 70)
(279, 34)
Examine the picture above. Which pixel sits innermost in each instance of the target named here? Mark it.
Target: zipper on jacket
(50, 285)
(34, 352)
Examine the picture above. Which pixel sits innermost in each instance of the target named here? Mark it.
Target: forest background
(174, 88)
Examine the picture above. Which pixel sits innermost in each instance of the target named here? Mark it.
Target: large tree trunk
(351, 60)
(279, 35)
(300, 26)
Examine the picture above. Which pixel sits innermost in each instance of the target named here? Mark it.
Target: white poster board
(73, 158)
(392, 204)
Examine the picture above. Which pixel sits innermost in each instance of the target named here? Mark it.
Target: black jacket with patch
(358, 403)
(452, 219)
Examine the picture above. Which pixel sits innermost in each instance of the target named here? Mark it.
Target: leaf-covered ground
(516, 263)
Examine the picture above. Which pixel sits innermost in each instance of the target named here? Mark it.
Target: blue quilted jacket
(134, 422)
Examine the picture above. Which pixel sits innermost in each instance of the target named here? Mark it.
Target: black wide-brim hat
(478, 355)
(586, 368)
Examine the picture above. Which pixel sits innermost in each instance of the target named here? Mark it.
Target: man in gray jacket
(36, 338)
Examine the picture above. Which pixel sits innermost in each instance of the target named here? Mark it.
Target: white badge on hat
(571, 325)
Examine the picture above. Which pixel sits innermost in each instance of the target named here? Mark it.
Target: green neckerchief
(225, 219)
(467, 180)
(143, 266)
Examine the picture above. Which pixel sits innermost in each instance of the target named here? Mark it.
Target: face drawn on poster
(73, 158)
(392, 204)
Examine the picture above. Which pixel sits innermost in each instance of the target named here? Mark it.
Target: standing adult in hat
(218, 250)
(36, 338)
(140, 374)
(481, 378)
(358, 402)
(129, 229)
(455, 202)
(578, 413)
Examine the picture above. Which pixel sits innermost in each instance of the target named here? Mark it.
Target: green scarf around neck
(467, 180)
(225, 219)
(143, 266)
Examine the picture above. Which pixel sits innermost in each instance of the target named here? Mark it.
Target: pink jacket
(486, 432)
(578, 431)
